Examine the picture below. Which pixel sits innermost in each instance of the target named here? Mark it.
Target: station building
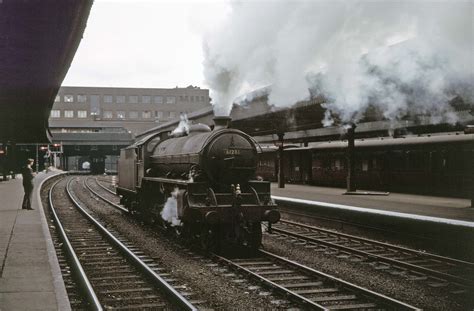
(89, 125)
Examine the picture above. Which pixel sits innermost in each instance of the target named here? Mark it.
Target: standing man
(28, 175)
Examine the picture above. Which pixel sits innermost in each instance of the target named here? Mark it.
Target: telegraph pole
(351, 185)
(281, 171)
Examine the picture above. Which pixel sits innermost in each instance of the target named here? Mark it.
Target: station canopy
(38, 40)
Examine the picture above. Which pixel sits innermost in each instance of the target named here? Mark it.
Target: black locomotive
(201, 184)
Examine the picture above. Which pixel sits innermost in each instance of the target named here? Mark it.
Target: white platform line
(379, 212)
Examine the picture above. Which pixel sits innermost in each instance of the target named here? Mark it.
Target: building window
(81, 98)
(57, 99)
(55, 114)
(133, 115)
(146, 99)
(159, 114)
(158, 99)
(170, 99)
(82, 114)
(202, 98)
(172, 114)
(133, 99)
(69, 113)
(108, 99)
(120, 99)
(146, 114)
(186, 98)
(68, 98)
(121, 115)
(192, 98)
(107, 114)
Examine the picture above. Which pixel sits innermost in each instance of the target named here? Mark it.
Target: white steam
(183, 126)
(170, 210)
(402, 57)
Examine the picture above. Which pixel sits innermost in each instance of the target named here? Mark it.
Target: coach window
(133, 99)
(365, 165)
(146, 99)
(158, 99)
(120, 99)
(94, 147)
(69, 113)
(82, 114)
(55, 114)
(81, 98)
(68, 98)
(170, 100)
(108, 99)
(107, 114)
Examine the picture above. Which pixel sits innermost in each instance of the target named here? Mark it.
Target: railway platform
(30, 277)
(406, 204)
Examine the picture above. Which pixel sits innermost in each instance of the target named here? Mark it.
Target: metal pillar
(350, 182)
(281, 170)
(12, 159)
(5, 161)
(37, 159)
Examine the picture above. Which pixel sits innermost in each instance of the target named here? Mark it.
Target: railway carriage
(431, 164)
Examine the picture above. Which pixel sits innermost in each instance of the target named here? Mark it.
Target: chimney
(221, 122)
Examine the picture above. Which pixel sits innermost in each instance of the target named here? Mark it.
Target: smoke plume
(401, 57)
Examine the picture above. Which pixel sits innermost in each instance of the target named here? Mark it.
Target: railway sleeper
(301, 285)
(333, 298)
(316, 291)
(353, 306)
(275, 272)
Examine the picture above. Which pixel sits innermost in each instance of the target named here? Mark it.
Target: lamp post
(37, 157)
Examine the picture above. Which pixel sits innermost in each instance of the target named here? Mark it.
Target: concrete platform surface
(30, 277)
(440, 207)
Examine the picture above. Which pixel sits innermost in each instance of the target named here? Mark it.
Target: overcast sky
(156, 44)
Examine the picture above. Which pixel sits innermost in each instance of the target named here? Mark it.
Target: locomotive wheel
(208, 239)
(254, 238)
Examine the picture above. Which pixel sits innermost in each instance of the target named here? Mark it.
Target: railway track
(111, 273)
(437, 271)
(304, 285)
(312, 289)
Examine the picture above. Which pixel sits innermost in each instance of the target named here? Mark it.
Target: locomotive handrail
(167, 180)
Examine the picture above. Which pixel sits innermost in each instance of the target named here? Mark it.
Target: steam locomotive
(199, 184)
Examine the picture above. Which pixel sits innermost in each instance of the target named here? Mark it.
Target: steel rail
(394, 262)
(379, 298)
(104, 199)
(177, 298)
(76, 267)
(104, 187)
(385, 300)
(382, 244)
(278, 287)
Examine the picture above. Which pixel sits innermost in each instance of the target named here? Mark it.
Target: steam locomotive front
(230, 157)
